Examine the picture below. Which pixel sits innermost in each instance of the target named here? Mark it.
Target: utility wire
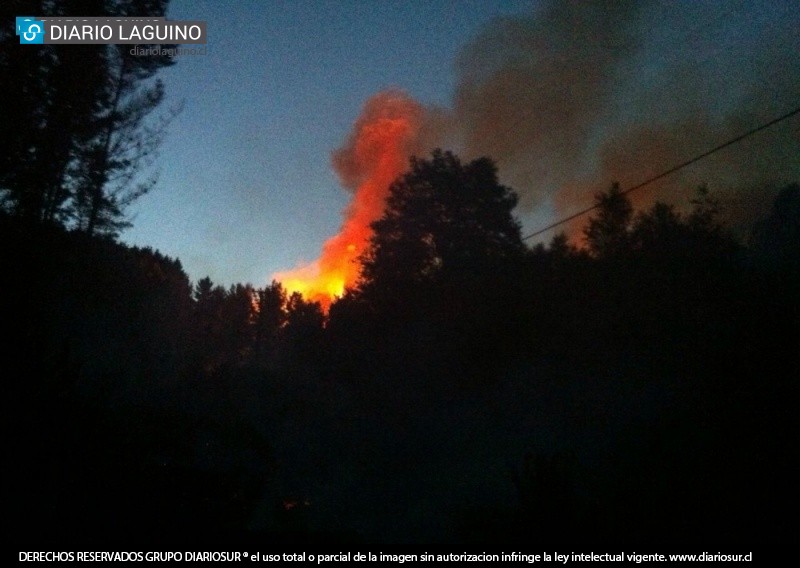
(672, 170)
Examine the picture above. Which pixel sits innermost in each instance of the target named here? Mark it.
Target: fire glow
(376, 152)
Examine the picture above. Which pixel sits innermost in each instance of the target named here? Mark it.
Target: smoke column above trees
(374, 154)
(578, 95)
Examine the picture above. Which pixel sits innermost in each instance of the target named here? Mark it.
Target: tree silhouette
(441, 270)
(776, 239)
(48, 96)
(269, 319)
(237, 317)
(207, 324)
(607, 232)
(78, 124)
(304, 324)
(445, 222)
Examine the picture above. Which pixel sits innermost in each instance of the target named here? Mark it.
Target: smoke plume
(582, 94)
(578, 95)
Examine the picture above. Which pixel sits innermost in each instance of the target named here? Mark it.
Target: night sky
(246, 187)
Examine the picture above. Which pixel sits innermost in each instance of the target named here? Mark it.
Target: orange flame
(374, 155)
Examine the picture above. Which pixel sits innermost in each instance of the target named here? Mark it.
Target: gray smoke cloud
(580, 94)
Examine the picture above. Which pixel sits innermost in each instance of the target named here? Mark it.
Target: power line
(672, 170)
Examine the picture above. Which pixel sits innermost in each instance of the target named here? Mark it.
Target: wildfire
(375, 153)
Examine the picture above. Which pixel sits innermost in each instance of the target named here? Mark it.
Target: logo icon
(30, 30)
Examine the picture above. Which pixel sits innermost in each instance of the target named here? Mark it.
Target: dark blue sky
(246, 186)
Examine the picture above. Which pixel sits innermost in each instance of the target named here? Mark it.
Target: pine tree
(78, 122)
